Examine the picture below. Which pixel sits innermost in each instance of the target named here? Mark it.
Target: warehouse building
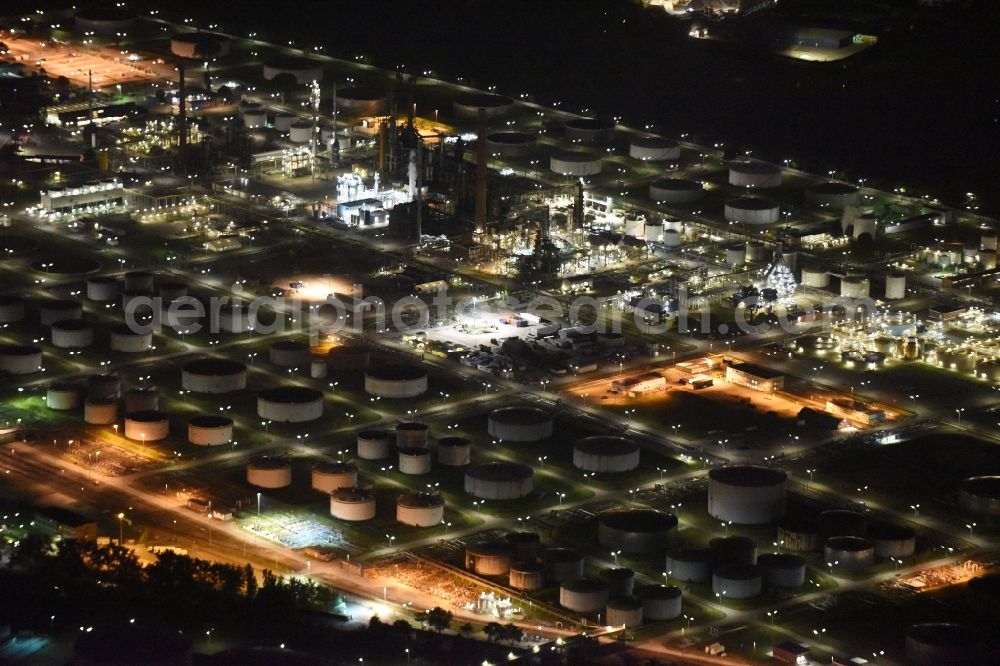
(755, 377)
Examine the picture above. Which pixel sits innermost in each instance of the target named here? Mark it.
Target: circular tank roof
(483, 100)
(658, 592)
(72, 325)
(510, 138)
(653, 142)
(147, 416)
(269, 463)
(210, 421)
(289, 345)
(520, 415)
(334, 468)
(590, 124)
(848, 543)
(449, 442)
(738, 571)
(291, 394)
(833, 187)
(420, 500)
(983, 486)
(412, 425)
(489, 548)
(499, 471)
(747, 475)
(676, 184)
(396, 372)
(584, 585)
(781, 561)
(625, 603)
(576, 157)
(414, 451)
(751, 203)
(214, 366)
(352, 495)
(638, 520)
(19, 350)
(606, 445)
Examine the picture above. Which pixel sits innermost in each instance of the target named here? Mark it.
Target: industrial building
(755, 377)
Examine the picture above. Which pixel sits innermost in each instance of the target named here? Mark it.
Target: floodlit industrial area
(558, 388)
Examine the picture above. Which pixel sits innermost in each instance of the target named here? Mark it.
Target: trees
(512, 633)
(438, 618)
(493, 631)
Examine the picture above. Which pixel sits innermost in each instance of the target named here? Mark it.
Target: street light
(121, 529)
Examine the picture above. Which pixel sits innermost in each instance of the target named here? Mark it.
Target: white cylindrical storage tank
(798, 535)
(653, 149)
(20, 359)
(468, 105)
(213, 375)
(353, 504)
(138, 301)
(736, 255)
(51, 311)
(284, 121)
(11, 309)
(104, 387)
(519, 424)
(254, 118)
(755, 174)
(890, 540)
(300, 131)
(588, 130)
(526, 576)
(420, 509)
(660, 602)
(620, 581)
(499, 480)
(63, 396)
(317, 368)
(360, 101)
(488, 558)
(509, 144)
(412, 435)
(855, 286)
(583, 595)
(562, 564)
(199, 45)
(103, 288)
(348, 357)
(575, 164)
(865, 224)
(817, 278)
(944, 644)
(634, 226)
(236, 318)
(72, 334)
(396, 381)
(289, 354)
(304, 70)
(636, 530)
(624, 612)
(675, 191)
(782, 569)
(123, 339)
(210, 430)
(895, 286)
(141, 400)
(840, 522)
(605, 454)
(454, 451)
(848, 553)
(752, 210)
(671, 238)
(756, 251)
(329, 476)
(147, 426)
(737, 581)
(691, 565)
(833, 195)
(415, 460)
(958, 359)
(269, 473)
(374, 444)
(746, 494)
(103, 20)
(100, 411)
(652, 231)
(139, 281)
(291, 404)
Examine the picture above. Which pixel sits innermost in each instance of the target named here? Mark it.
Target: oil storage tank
(352, 504)
(653, 149)
(11, 309)
(746, 494)
(213, 375)
(291, 404)
(737, 581)
(943, 644)
(468, 105)
(412, 434)
(124, 339)
(374, 444)
(980, 495)
(605, 454)
(624, 612)
(848, 553)
(329, 476)
(20, 359)
(348, 357)
(620, 581)
(782, 569)
(289, 354)
(420, 509)
(660, 602)
(691, 565)
(414, 460)
(798, 534)
(583, 595)
(499, 480)
(832, 194)
(892, 540)
(139, 281)
(103, 288)
(100, 411)
(733, 550)
(488, 558)
(841, 522)
(454, 451)
(210, 430)
(52, 310)
(575, 164)
(104, 387)
(636, 530)
(562, 564)
(141, 400)
(396, 381)
(509, 144)
(525, 545)
(269, 473)
(526, 575)
(752, 210)
(63, 396)
(147, 426)
(588, 130)
(676, 191)
(519, 424)
(754, 174)
(360, 100)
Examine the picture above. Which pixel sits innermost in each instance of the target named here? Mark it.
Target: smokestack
(182, 115)
(577, 221)
(420, 187)
(480, 218)
(381, 147)
(90, 108)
